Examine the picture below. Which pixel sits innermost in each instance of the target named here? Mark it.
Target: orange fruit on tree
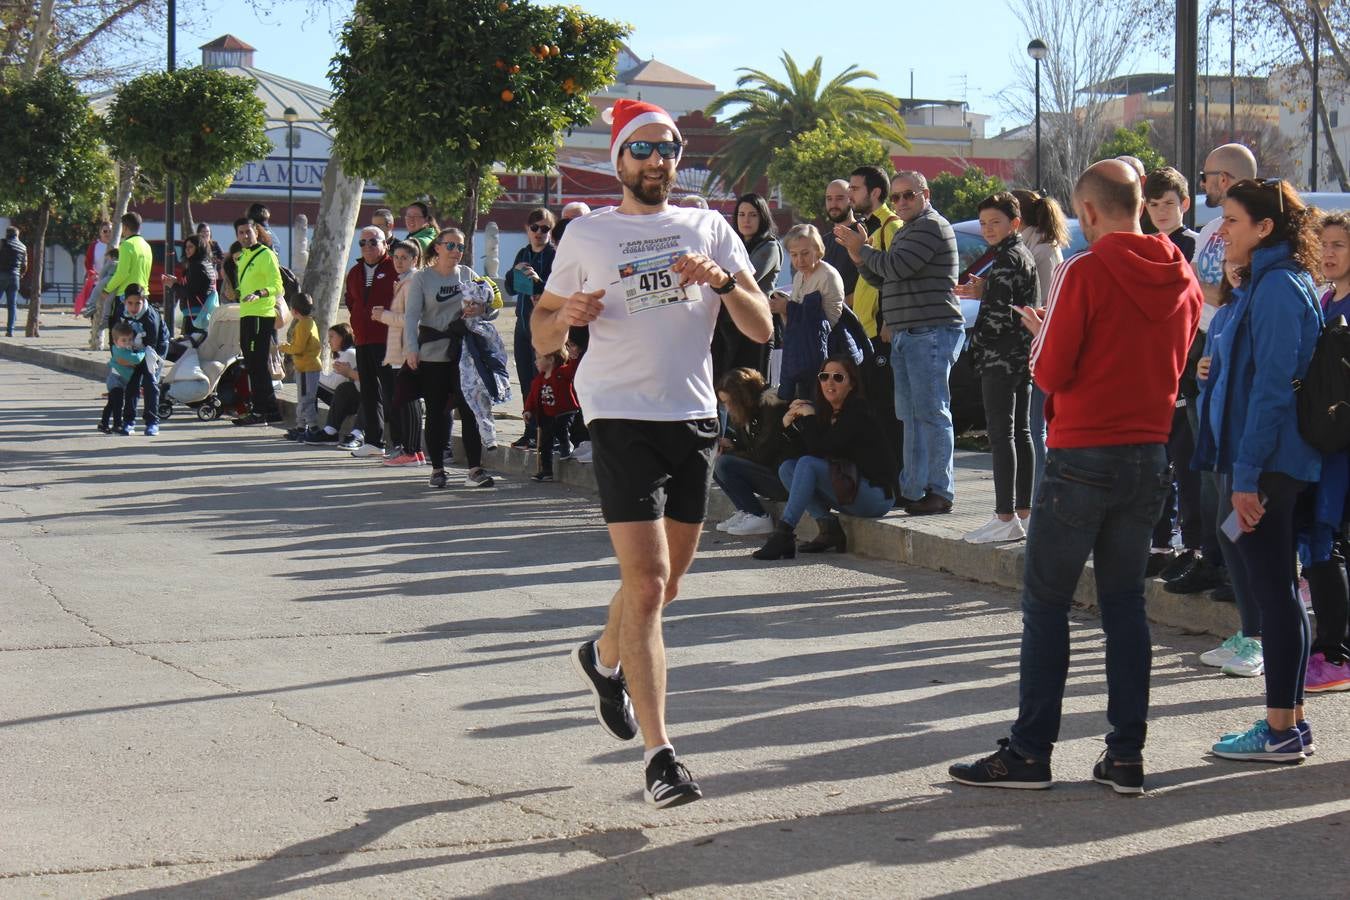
(508, 95)
(555, 50)
(514, 70)
(501, 64)
(503, 6)
(569, 86)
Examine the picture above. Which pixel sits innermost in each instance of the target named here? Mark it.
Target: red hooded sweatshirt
(1118, 322)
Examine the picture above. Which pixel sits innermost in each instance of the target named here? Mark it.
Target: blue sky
(956, 51)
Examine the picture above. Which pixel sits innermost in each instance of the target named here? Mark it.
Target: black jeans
(440, 389)
(256, 334)
(112, 410)
(523, 350)
(370, 366)
(1263, 566)
(343, 401)
(1101, 501)
(554, 429)
(1007, 410)
(880, 384)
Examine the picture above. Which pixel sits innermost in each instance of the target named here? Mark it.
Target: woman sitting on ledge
(843, 463)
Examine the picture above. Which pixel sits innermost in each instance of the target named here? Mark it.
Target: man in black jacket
(13, 263)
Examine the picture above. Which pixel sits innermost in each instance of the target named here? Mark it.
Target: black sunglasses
(1278, 185)
(542, 229)
(1204, 176)
(369, 242)
(904, 195)
(641, 150)
(451, 245)
(836, 377)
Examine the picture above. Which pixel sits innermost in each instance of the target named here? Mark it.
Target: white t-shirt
(1208, 262)
(331, 379)
(649, 356)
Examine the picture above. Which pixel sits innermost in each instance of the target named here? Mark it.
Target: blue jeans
(1037, 437)
(809, 490)
(922, 360)
(745, 481)
(1101, 501)
(9, 289)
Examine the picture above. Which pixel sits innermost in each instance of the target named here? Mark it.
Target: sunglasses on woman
(836, 377)
(451, 246)
(541, 229)
(641, 150)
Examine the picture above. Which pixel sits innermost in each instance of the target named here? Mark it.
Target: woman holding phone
(1249, 436)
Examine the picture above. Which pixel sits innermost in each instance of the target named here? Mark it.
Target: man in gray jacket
(916, 275)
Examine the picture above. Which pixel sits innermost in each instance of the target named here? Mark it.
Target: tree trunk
(339, 205)
(185, 209)
(42, 33)
(126, 180)
(1337, 164)
(38, 262)
(473, 181)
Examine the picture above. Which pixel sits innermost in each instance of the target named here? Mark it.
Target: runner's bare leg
(653, 557)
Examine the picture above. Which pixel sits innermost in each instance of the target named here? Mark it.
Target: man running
(649, 279)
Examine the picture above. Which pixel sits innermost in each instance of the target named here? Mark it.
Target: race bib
(649, 283)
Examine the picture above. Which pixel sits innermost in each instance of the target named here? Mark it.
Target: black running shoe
(1003, 769)
(1123, 778)
(1202, 576)
(437, 479)
(1179, 566)
(669, 782)
(612, 706)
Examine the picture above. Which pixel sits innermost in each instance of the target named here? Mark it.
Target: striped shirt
(918, 274)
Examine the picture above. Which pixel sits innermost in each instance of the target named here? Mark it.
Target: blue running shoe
(1304, 731)
(1261, 744)
(152, 429)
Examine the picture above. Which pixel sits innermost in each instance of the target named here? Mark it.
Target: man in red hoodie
(370, 283)
(1108, 354)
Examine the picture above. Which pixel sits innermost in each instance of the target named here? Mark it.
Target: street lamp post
(291, 117)
(1038, 50)
(1232, 73)
(1316, 96)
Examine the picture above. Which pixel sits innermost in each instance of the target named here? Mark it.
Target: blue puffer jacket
(1248, 418)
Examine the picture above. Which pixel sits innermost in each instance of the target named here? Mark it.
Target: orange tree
(466, 83)
(55, 162)
(195, 127)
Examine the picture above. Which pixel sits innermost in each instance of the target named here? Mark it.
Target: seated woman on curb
(839, 441)
(747, 467)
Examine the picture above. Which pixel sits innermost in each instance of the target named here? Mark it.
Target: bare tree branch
(108, 23)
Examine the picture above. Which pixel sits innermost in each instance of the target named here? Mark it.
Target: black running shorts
(647, 470)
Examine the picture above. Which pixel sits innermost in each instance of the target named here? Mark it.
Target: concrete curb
(925, 543)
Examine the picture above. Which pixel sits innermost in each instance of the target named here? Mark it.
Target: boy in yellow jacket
(303, 349)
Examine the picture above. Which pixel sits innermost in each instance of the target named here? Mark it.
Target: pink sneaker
(404, 459)
(1324, 677)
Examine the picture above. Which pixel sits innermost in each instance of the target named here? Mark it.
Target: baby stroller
(206, 372)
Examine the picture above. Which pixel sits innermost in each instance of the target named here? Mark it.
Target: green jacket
(258, 269)
(423, 236)
(134, 260)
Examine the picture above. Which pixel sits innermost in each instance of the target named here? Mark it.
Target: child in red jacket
(552, 405)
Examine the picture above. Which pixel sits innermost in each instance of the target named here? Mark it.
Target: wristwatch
(728, 287)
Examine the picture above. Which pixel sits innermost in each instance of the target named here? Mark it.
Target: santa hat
(627, 116)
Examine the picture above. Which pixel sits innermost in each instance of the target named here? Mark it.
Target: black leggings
(440, 389)
(402, 424)
(1007, 412)
(1261, 564)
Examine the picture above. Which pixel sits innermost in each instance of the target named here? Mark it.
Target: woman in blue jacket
(1249, 436)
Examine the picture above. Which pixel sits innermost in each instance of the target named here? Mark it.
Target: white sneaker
(734, 519)
(365, 451)
(582, 452)
(1221, 654)
(1249, 661)
(751, 525)
(477, 478)
(997, 531)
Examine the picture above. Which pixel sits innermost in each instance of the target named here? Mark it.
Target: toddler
(121, 366)
(303, 349)
(551, 406)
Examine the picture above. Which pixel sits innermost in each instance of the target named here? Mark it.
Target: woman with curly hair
(1249, 436)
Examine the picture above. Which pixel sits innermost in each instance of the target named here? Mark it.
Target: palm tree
(773, 112)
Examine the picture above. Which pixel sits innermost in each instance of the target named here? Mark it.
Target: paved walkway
(239, 668)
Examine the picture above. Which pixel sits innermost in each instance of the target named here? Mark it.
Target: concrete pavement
(236, 667)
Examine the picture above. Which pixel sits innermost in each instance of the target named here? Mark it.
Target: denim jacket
(1248, 417)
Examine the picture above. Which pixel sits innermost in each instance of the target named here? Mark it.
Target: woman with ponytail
(1249, 437)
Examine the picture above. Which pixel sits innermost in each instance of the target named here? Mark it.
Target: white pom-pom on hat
(608, 115)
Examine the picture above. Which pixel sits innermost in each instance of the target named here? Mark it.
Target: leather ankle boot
(782, 544)
(831, 537)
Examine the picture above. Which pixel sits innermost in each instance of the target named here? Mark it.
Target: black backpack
(1323, 396)
(289, 282)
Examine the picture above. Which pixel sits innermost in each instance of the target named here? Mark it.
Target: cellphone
(1232, 526)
